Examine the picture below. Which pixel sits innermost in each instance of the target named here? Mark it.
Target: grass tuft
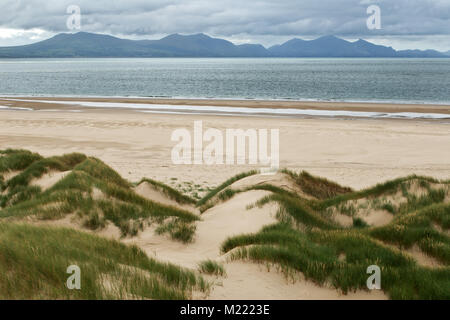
(34, 260)
(178, 230)
(169, 191)
(319, 188)
(227, 183)
(212, 268)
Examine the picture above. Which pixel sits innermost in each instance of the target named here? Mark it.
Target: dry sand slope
(243, 280)
(357, 153)
(217, 224)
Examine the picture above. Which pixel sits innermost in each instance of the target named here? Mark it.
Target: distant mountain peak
(188, 36)
(293, 40)
(329, 37)
(87, 34)
(201, 35)
(85, 44)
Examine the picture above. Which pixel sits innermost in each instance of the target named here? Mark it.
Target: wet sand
(302, 105)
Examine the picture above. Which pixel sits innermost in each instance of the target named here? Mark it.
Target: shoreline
(138, 144)
(222, 107)
(227, 99)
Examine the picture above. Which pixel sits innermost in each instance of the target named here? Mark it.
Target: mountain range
(83, 44)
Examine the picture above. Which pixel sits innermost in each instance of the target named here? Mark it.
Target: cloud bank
(423, 22)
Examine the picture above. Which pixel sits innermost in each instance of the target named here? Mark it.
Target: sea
(423, 81)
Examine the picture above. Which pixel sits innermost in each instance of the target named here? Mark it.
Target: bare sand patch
(438, 228)
(372, 217)
(49, 179)
(373, 209)
(97, 194)
(378, 218)
(8, 175)
(73, 221)
(253, 281)
(218, 223)
(149, 192)
(342, 219)
(422, 258)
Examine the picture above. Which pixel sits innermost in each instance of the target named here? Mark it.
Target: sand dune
(72, 221)
(49, 179)
(280, 180)
(243, 280)
(355, 153)
(422, 258)
(216, 225)
(251, 280)
(148, 191)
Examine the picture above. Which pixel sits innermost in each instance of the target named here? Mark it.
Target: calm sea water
(396, 80)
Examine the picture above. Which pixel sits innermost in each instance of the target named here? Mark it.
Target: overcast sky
(405, 24)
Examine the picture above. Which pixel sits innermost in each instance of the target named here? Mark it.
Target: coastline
(138, 144)
(282, 108)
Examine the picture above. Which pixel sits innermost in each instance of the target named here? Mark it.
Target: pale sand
(227, 219)
(374, 218)
(251, 280)
(422, 258)
(72, 221)
(378, 218)
(10, 174)
(357, 153)
(354, 153)
(148, 191)
(243, 280)
(49, 179)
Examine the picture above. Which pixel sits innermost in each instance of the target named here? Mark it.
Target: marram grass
(307, 240)
(33, 260)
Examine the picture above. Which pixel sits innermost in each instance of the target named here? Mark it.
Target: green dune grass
(75, 194)
(34, 262)
(212, 193)
(170, 192)
(306, 238)
(212, 268)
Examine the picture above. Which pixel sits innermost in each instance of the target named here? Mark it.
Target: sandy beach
(357, 153)
(218, 159)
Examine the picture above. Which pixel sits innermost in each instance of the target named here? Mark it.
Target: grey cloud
(229, 18)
